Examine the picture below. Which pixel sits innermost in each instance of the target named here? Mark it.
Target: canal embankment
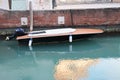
(104, 18)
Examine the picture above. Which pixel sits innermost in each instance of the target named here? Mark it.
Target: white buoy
(30, 42)
(70, 38)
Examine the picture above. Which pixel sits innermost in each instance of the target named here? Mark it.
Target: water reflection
(52, 50)
(76, 50)
(80, 60)
(73, 69)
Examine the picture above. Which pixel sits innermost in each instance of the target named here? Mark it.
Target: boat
(57, 35)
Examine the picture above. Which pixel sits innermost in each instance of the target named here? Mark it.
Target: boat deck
(78, 31)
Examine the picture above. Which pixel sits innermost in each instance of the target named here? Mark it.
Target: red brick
(49, 18)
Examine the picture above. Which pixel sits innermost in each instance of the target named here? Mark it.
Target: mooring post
(70, 38)
(31, 21)
(30, 42)
(31, 15)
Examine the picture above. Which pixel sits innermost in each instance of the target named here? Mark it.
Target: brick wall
(96, 17)
(50, 18)
(9, 19)
(116, 1)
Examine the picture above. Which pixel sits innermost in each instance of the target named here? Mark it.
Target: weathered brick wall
(10, 19)
(50, 18)
(96, 17)
(116, 0)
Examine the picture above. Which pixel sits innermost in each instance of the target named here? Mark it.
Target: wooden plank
(77, 32)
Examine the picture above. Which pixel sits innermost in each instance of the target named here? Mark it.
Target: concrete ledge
(88, 6)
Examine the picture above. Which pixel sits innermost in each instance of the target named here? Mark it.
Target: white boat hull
(51, 32)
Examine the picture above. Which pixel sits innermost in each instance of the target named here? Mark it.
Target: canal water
(95, 58)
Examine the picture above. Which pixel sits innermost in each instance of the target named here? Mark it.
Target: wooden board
(78, 31)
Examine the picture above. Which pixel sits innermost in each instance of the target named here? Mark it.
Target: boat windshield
(37, 32)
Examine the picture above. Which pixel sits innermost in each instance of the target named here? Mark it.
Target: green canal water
(95, 58)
